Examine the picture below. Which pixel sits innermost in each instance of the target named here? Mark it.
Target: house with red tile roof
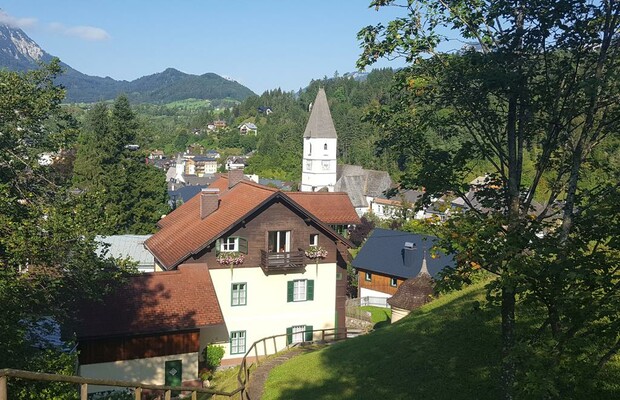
(238, 262)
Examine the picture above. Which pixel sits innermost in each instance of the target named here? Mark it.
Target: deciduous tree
(539, 80)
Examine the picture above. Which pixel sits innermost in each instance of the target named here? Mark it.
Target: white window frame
(300, 290)
(237, 342)
(239, 295)
(368, 277)
(285, 247)
(314, 239)
(298, 334)
(393, 282)
(229, 244)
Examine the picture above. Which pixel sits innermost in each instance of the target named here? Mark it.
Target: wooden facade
(272, 217)
(136, 347)
(380, 283)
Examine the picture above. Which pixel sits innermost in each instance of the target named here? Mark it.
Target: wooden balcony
(273, 263)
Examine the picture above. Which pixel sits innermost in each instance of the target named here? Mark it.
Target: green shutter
(308, 333)
(243, 245)
(218, 246)
(289, 335)
(310, 289)
(289, 291)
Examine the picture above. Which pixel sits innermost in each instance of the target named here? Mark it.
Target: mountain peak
(17, 50)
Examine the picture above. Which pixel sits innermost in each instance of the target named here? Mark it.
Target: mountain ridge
(18, 52)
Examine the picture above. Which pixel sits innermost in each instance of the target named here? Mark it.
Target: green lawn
(379, 316)
(449, 349)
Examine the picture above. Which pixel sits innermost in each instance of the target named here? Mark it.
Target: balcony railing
(293, 261)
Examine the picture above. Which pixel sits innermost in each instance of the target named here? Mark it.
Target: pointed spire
(424, 269)
(320, 123)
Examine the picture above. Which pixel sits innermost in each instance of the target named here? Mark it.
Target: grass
(379, 316)
(448, 349)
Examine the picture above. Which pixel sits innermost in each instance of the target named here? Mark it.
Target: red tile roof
(155, 303)
(184, 233)
(330, 208)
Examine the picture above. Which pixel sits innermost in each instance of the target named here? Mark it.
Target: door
(174, 372)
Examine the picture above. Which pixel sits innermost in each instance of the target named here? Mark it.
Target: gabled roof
(184, 233)
(384, 253)
(320, 124)
(354, 187)
(156, 302)
(373, 183)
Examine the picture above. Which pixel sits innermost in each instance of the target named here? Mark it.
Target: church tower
(320, 141)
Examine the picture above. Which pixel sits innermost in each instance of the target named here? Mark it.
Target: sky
(263, 44)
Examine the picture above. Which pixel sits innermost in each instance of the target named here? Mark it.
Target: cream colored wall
(267, 312)
(399, 313)
(144, 370)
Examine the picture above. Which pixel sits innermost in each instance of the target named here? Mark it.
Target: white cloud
(16, 22)
(90, 33)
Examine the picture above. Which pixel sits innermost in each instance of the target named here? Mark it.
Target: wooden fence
(243, 376)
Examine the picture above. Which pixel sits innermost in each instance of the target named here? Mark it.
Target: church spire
(320, 123)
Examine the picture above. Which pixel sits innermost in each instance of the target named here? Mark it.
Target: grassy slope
(449, 349)
(411, 359)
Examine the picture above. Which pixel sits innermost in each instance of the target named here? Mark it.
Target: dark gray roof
(384, 253)
(353, 186)
(320, 124)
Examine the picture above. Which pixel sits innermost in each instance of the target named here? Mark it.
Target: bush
(212, 355)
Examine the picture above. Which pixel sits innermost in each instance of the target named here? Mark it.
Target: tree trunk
(508, 343)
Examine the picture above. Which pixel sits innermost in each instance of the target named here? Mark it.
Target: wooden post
(3, 393)
(323, 335)
(138, 393)
(275, 346)
(265, 347)
(194, 396)
(168, 395)
(256, 354)
(84, 391)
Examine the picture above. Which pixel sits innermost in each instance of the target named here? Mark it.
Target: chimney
(209, 201)
(409, 251)
(235, 176)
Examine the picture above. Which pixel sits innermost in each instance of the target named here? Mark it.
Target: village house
(389, 257)
(240, 261)
(248, 128)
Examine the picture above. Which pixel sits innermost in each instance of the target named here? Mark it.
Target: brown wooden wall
(131, 348)
(380, 283)
(275, 217)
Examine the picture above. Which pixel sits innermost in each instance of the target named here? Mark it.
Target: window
(393, 282)
(233, 243)
(325, 164)
(368, 276)
(309, 149)
(325, 146)
(314, 239)
(300, 290)
(299, 334)
(279, 241)
(239, 294)
(308, 165)
(230, 244)
(237, 342)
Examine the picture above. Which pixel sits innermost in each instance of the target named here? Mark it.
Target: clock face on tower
(325, 164)
(308, 165)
